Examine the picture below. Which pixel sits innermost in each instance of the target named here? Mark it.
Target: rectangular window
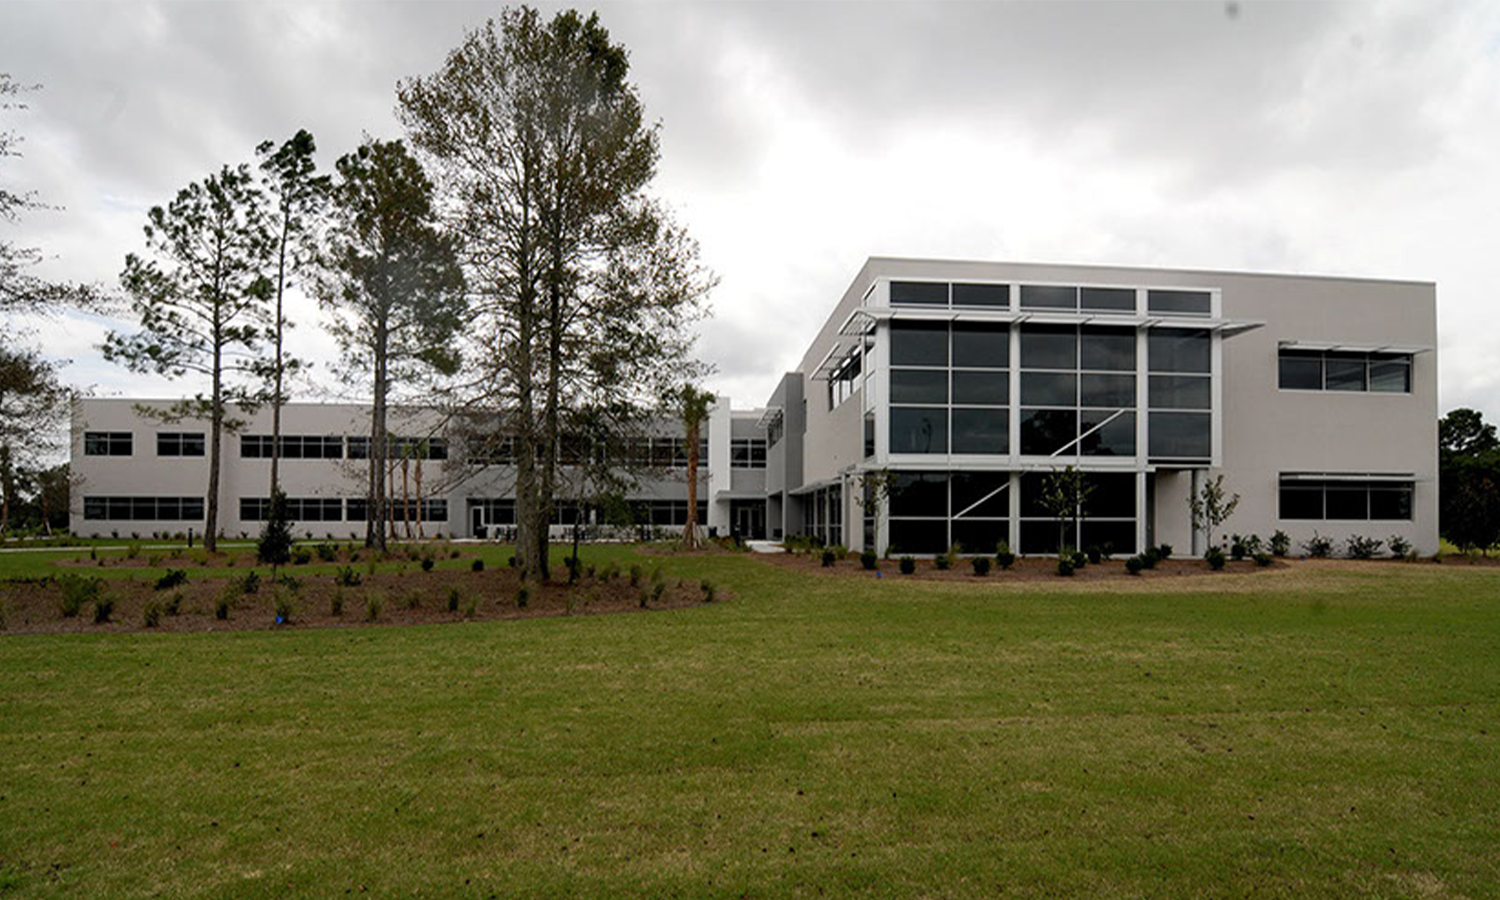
(179, 443)
(1038, 296)
(1107, 300)
(1344, 371)
(143, 509)
(107, 443)
(1345, 500)
(919, 293)
(1180, 303)
(983, 295)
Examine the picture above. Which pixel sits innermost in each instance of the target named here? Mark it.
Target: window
(1329, 370)
(747, 453)
(1304, 497)
(143, 509)
(1180, 303)
(919, 293)
(179, 443)
(107, 443)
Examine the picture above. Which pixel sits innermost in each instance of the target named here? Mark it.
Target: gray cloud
(800, 138)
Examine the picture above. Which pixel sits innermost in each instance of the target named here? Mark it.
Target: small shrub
(941, 562)
(523, 596)
(283, 606)
(336, 604)
(1215, 558)
(104, 607)
(454, 596)
(477, 566)
(347, 577)
(828, 559)
(869, 560)
(1359, 547)
(1095, 554)
(1280, 544)
(77, 593)
(981, 565)
(326, 552)
(708, 590)
(908, 565)
(301, 557)
(1065, 566)
(1399, 546)
(1004, 556)
(172, 578)
(151, 616)
(373, 606)
(1133, 565)
(427, 564)
(1317, 546)
(1262, 559)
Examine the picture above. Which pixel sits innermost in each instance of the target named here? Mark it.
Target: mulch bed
(405, 598)
(1035, 568)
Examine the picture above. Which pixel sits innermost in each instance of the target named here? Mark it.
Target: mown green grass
(1321, 731)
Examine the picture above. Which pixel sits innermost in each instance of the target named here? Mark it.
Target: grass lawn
(1323, 730)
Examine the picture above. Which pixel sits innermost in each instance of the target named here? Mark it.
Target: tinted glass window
(1180, 435)
(919, 293)
(1036, 296)
(1113, 495)
(1107, 299)
(1178, 350)
(919, 386)
(1109, 349)
(919, 494)
(916, 430)
(1190, 303)
(1046, 431)
(970, 488)
(981, 295)
(1343, 501)
(1390, 375)
(1180, 391)
(1343, 372)
(1115, 438)
(918, 536)
(981, 346)
(1049, 389)
(981, 430)
(1044, 347)
(919, 344)
(1112, 391)
(981, 387)
(1300, 371)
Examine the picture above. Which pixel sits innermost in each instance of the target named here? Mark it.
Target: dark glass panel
(916, 430)
(979, 537)
(1178, 350)
(1116, 438)
(1179, 435)
(1344, 372)
(1038, 296)
(1049, 347)
(991, 388)
(920, 293)
(919, 494)
(1300, 370)
(1180, 391)
(981, 430)
(1301, 500)
(1108, 391)
(981, 295)
(1187, 303)
(1049, 389)
(1107, 299)
(1107, 349)
(1046, 431)
(919, 386)
(919, 536)
(919, 344)
(970, 488)
(981, 346)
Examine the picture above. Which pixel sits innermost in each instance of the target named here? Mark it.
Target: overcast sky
(797, 140)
